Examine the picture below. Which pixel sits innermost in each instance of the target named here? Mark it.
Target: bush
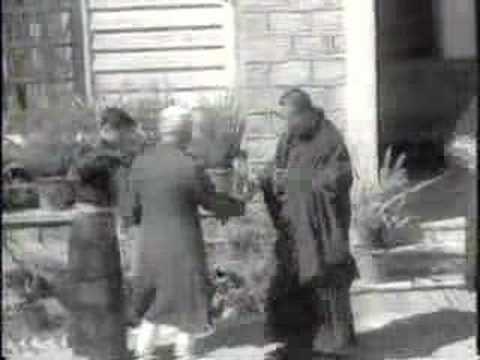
(221, 129)
(379, 209)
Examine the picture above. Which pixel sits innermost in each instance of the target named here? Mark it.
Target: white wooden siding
(115, 4)
(156, 18)
(158, 60)
(156, 39)
(182, 47)
(139, 81)
(186, 97)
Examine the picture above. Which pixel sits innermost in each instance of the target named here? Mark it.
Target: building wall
(39, 57)
(281, 44)
(142, 49)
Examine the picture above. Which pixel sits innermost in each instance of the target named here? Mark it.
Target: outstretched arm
(222, 205)
(91, 162)
(272, 201)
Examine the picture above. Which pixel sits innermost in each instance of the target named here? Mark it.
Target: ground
(393, 323)
(437, 324)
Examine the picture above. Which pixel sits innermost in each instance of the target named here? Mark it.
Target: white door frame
(361, 59)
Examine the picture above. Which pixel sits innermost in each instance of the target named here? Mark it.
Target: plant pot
(367, 238)
(55, 193)
(371, 266)
(369, 258)
(222, 179)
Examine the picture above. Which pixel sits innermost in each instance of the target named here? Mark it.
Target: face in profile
(110, 135)
(132, 139)
(296, 108)
(129, 139)
(291, 115)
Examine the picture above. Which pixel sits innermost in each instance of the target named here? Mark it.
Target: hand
(280, 181)
(122, 158)
(252, 187)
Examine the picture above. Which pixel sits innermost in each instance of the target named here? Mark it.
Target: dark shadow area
(416, 337)
(421, 102)
(423, 91)
(446, 199)
(418, 264)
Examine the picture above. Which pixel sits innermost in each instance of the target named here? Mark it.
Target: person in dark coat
(170, 274)
(97, 329)
(308, 304)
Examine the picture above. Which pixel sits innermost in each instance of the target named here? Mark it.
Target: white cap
(174, 119)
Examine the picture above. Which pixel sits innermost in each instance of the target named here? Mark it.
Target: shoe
(144, 342)
(277, 354)
(184, 346)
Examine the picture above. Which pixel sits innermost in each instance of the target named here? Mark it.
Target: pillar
(361, 90)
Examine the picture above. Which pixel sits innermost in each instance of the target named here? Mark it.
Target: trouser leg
(335, 334)
(290, 318)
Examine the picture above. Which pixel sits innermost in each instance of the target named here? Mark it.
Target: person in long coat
(308, 304)
(170, 275)
(95, 293)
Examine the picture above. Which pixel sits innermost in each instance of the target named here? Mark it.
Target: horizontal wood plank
(159, 59)
(115, 4)
(138, 81)
(156, 18)
(189, 98)
(159, 39)
(30, 10)
(39, 80)
(35, 44)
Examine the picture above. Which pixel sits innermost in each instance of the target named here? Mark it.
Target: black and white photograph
(239, 179)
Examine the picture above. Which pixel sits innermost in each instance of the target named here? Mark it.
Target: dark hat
(117, 118)
(296, 97)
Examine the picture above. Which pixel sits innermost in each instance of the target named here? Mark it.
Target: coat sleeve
(221, 205)
(134, 211)
(272, 201)
(204, 189)
(91, 163)
(333, 173)
(329, 205)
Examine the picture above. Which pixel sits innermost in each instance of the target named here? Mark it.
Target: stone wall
(286, 43)
(282, 44)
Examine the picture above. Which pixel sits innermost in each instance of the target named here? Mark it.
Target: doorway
(426, 73)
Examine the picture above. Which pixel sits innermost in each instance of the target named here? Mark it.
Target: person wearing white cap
(170, 276)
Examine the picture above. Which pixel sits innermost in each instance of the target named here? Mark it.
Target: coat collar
(310, 132)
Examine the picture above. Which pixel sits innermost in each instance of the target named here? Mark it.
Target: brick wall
(285, 43)
(280, 44)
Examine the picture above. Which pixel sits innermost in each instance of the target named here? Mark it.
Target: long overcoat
(169, 261)
(315, 269)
